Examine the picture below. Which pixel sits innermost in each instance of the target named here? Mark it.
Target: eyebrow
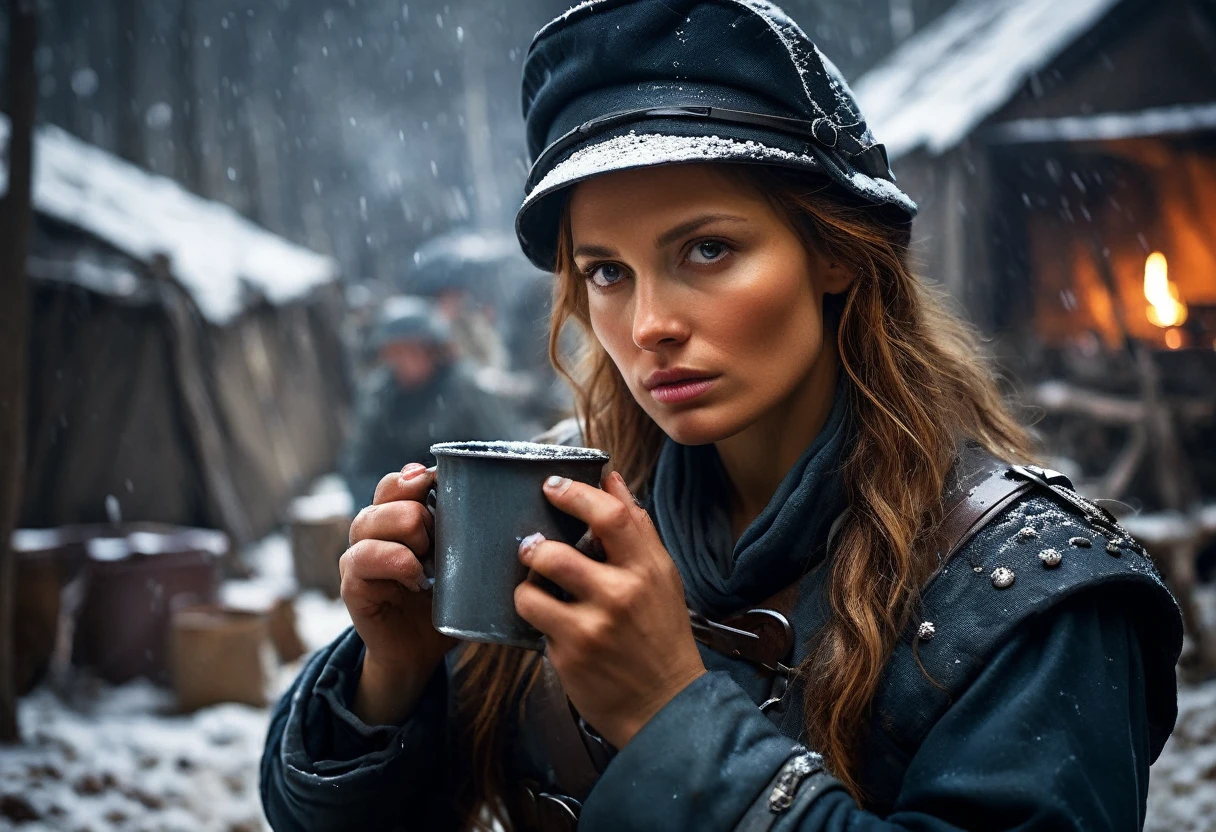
(685, 228)
(594, 251)
(664, 239)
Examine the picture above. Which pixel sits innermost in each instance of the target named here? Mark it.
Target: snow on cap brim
(539, 216)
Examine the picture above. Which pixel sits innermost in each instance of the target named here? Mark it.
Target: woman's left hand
(623, 647)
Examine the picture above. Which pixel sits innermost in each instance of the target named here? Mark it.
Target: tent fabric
(141, 408)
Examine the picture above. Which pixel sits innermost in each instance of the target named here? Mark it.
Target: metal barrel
(488, 498)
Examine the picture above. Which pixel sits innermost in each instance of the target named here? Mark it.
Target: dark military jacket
(1036, 700)
(395, 426)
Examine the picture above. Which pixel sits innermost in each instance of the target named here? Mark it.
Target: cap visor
(538, 218)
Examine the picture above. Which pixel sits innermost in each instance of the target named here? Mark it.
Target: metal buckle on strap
(1061, 486)
(760, 636)
(548, 812)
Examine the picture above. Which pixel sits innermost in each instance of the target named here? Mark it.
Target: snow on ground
(1182, 788)
(98, 758)
(124, 762)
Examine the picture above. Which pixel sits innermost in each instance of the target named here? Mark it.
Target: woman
(808, 430)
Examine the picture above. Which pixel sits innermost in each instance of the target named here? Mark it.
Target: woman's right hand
(386, 592)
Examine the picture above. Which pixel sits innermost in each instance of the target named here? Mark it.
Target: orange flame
(1166, 307)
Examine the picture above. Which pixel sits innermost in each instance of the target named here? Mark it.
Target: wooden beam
(16, 223)
(1063, 397)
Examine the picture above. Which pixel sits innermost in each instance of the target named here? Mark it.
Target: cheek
(774, 328)
(612, 328)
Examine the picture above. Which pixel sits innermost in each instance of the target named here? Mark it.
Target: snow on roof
(213, 249)
(940, 84)
(1157, 121)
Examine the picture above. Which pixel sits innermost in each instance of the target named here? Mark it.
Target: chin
(699, 425)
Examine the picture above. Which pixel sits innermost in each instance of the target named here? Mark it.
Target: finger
(411, 483)
(615, 485)
(364, 597)
(608, 518)
(544, 612)
(382, 560)
(566, 566)
(404, 521)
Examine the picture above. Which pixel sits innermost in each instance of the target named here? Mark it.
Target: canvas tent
(185, 364)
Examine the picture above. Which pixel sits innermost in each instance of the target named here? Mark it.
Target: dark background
(356, 127)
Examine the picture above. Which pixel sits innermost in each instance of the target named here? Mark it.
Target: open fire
(1118, 315)
(1128, 250)
(1165, 306)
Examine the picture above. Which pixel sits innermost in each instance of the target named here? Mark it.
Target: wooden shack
(1064, 158)
(1096, 117)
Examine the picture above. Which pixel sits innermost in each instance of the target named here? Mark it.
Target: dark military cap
(463, 260)
(409, 318)
(618, 84)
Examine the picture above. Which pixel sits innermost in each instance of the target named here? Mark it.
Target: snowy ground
(103, 759)
(1182, 790)
(98, 758)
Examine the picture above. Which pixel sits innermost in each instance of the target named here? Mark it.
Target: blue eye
(709, 251)
(606, 275)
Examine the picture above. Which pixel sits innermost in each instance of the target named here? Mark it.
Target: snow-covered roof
(212, 248)
(1157, 121)
(946, 79)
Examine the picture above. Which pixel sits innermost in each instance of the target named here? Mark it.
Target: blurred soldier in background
(461, 272)
(421, 392)
(497, 306)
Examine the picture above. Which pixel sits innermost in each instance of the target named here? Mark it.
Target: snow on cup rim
(526, 451)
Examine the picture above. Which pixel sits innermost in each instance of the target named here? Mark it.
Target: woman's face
(703, 295)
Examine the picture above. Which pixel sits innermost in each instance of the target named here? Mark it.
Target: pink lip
(678, 392)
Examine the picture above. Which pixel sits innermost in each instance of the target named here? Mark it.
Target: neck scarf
(691, 510)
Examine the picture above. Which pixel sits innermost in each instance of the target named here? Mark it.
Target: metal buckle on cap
(871, 160)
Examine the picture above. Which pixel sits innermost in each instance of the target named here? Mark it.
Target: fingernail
(412, 470)
(528, 544)
(558, 484)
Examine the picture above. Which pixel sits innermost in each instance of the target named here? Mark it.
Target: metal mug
(488, 498)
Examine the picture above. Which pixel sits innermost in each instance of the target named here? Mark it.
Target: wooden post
(16, 222)
(187, 144)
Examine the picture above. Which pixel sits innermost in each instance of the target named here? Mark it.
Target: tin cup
(488, 498)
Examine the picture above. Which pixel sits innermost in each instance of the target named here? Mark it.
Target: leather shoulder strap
(547, 715)
(982, 486)
(1026, 551)
(978, 492)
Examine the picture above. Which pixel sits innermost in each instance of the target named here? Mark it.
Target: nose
(657, 318)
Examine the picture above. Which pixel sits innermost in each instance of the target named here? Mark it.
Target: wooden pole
(16, 223)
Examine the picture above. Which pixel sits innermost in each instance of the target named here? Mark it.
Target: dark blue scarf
(690, 496)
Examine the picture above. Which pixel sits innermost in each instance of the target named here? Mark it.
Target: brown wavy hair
(921, 386)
